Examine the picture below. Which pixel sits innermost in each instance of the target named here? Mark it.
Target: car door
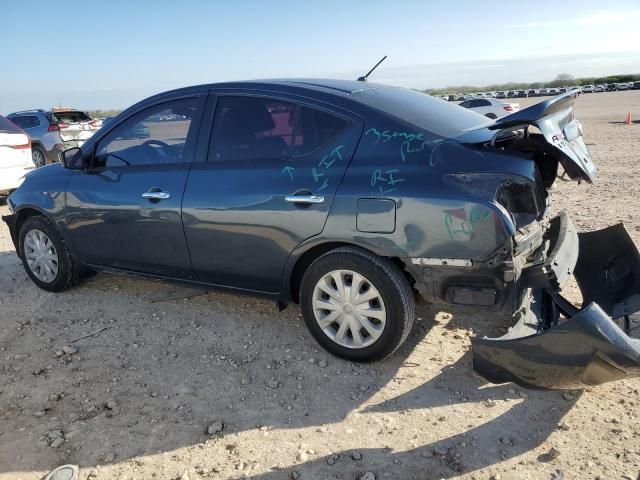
(273, 168)
(124, 211)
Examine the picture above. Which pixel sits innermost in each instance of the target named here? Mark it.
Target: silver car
(54, 131)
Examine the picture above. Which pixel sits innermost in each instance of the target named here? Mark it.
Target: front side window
(158, 135)
(252, 128)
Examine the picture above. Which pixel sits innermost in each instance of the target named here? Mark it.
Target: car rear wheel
(45, 256)
(357, 305)
(38, 156)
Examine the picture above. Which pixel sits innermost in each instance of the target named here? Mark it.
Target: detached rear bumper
(584, 346)
(10, 220)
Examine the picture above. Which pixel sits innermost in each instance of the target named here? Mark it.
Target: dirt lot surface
(223, 386)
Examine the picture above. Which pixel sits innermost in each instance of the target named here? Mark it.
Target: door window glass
(316, 129)
(25, 121)
(155, 136)
(252, 128)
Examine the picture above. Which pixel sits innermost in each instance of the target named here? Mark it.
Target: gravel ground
(223, 386)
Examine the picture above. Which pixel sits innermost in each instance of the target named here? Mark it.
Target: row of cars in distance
(541, 92)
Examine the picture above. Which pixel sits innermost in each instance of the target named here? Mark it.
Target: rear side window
(315, 129)
(26, 121)
(7, 126)
(252, 128)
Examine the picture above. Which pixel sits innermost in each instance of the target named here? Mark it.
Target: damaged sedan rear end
(554, 343)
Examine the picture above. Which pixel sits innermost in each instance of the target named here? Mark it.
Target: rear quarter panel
(406, 165)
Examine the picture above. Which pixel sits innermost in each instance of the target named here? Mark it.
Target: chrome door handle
(155, 195)
(304, 198)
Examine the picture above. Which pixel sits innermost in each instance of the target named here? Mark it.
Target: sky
(112, 54)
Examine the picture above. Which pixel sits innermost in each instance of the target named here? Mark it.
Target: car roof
(441, 118)
(27, 112)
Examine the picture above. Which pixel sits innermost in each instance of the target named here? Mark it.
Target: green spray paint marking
(324, 165)
(288, 170)
(386, 179)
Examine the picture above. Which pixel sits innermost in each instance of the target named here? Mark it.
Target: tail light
(508, 108)
(94, 124)
(56, 127)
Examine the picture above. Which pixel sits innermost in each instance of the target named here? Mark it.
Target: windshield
(7, 127)
(441, 118)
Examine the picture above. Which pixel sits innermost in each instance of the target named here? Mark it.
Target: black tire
(67, 273)
(38, 156)
(390, 282)
(491, 116)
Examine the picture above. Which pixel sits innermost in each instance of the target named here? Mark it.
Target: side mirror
(72, 159)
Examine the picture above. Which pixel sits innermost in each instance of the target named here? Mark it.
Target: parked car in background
(15, 156)
(501, 94)
(532, 93)
(53, 131)
(623, 86)
(636, 86)
(587, 89)
(491, 107)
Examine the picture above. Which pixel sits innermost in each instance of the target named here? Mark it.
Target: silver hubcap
(349, 309)
(41, 256)
(38, 158)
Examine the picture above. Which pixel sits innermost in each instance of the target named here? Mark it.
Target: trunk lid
(555, 120)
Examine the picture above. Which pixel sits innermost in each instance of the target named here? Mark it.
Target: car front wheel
(357, 305)
(44, 255)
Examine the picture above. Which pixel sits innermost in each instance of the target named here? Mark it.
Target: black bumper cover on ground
(587, 348)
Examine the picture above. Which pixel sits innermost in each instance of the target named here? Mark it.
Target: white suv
(15, 156)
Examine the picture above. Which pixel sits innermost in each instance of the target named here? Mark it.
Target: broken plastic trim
(587, 348)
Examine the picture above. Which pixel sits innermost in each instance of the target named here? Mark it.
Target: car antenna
(364, 78)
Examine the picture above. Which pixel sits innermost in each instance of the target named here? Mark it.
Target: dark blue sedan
(353, 200)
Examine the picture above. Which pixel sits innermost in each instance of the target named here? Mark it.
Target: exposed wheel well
(310, 256)
(37, 144)
(22, 216)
